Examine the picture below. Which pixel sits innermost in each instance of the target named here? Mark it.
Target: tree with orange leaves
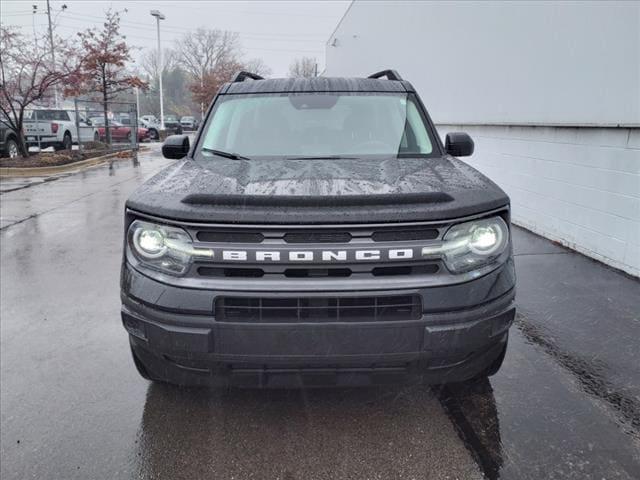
(103, 70)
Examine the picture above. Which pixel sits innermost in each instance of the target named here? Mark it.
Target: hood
(318, 191)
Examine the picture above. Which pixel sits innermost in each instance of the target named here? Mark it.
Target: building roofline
(344, 15)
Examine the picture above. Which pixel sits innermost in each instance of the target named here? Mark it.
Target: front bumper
(462, 330)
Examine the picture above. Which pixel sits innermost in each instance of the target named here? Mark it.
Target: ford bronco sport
(316, 233)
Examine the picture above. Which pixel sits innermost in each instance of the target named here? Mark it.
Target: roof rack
(242, 76)
(390, 74)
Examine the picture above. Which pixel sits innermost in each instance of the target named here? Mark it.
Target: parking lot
(566, 404)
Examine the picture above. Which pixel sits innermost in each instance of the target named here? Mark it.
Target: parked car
(152, 119)
(189, 123)
(119, 132)
(153, 128)
(8, 141)
(57, 128)
(318, 233)
(172, 124)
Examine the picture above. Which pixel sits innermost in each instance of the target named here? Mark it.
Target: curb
(7, 172)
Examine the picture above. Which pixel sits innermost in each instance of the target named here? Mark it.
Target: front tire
(493, 367)
(66, 143)
(12, 148)
(153, 134)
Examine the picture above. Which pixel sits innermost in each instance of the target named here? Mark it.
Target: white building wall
(577, 186)
(550, 93)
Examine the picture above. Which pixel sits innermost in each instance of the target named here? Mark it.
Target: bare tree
(206, 54)
(103, 69)
(203, 49)
(304, 67)
(257, 66)
(29, 77)
(149, 63)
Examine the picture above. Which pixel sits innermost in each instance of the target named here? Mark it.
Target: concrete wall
(550, 92)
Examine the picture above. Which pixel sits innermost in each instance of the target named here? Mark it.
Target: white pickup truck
(57, 129)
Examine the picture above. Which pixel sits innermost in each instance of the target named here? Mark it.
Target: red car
(119, 132)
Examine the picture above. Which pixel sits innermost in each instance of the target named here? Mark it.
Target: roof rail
(242, 76)
(390, 74)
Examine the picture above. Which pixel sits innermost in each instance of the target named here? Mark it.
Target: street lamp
(159, 16)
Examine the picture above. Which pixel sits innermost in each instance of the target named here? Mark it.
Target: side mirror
(175, 147)
(459, 144)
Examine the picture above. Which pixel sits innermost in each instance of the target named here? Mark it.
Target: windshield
(318, 125)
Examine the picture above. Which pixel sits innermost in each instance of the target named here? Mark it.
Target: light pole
(159, 16)
(53, 55)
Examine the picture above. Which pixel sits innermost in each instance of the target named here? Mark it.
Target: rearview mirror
(459, 144)
(175, 147)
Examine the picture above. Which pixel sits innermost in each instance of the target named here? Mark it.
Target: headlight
(471, 245)
(164, 248)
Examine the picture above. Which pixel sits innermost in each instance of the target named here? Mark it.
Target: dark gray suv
(317, 233)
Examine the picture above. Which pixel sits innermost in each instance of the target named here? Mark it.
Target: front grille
(317, 239)
(230, 236)
(230, 272)
(427, 268)
(318, 309)
(338, 235)
(400, 234)
(319, 272)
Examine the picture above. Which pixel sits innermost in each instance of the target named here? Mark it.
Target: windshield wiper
(220, 153)
(323, 157)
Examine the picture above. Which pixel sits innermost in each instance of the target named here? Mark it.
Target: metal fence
(86, 127)
(117, 128)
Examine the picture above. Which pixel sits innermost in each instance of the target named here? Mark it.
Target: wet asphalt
(566, 403)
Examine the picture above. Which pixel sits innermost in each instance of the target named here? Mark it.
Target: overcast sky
(276, 31)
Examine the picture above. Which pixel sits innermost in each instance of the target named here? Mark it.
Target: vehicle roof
(316, 84)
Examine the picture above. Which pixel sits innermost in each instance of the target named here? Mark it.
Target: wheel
(66, 143)
(12, 148)
(96, 137)
(129, 137)
(494, 367)
(153, 134)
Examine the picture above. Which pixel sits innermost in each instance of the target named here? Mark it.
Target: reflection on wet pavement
(565, 404)
(352, 433)
(548, 427)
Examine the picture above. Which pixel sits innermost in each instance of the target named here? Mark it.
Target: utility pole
(33, 24)
(159, 16)
(53, 55)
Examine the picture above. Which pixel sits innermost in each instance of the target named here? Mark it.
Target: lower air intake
(318, 309)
